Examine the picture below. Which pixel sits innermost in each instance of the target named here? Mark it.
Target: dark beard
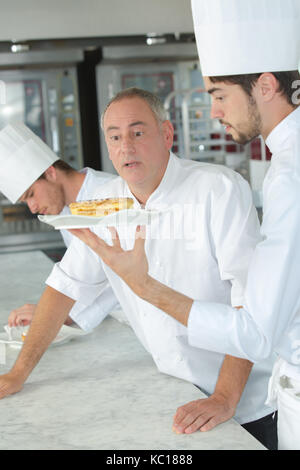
(244, 139)
(254, 125)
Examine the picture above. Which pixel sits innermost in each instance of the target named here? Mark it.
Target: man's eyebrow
(24, 196)
(132, 124)
(137, 123)
(212, 90)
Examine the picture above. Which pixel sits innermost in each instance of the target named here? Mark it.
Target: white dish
(66, 333)
(125, 217)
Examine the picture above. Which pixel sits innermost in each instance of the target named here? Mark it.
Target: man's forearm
(232, 379)
(50, 314)
(234, 372)
(170, 301)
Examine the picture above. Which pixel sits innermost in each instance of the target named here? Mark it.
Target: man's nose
(127, 144)
(33, 207)
(216, 111)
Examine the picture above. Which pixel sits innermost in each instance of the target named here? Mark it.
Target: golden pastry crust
(101, 207)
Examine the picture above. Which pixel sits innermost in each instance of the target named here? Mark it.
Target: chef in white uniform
(236, 39)
(264, 37)
(194, 247)
(20, 148)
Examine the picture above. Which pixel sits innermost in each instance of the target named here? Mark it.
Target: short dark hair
(63, 166)
(247, 82)
(60, 165)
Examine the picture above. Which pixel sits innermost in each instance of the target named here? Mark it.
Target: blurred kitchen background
(61, 61)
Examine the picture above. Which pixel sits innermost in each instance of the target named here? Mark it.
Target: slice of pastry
(101, 207)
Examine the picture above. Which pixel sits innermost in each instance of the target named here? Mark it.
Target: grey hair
(151, 99)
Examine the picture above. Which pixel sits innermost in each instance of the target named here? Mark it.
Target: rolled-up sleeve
(88, 317)
(79, 275)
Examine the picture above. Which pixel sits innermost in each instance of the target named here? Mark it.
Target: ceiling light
(19, 48)
(155, 38)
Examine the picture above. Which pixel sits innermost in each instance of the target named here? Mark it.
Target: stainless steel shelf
(30, 241)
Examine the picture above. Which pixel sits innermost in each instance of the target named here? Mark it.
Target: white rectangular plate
(125, 217)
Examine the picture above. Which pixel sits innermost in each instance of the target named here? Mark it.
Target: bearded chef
(249, 53)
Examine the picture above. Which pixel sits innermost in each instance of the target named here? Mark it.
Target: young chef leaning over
(47, 185)
(249, 53)
(205, 256)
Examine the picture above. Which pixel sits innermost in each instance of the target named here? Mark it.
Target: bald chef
(249, 53)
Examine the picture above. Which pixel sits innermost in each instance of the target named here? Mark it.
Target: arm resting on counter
(51, 312)
(205, 414)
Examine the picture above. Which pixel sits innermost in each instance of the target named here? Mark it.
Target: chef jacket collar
(158, 198)
(280, 133)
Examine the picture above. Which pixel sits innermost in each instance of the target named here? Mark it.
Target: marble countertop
(99, 391)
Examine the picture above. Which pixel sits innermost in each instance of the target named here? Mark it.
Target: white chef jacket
(201, 247)
(89, 317)
(271, 317)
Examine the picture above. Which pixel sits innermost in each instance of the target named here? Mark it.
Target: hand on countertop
(203, 414)
(10, 383)
(21, 316)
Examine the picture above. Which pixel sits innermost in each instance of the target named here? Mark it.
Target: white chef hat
(247, 36)
(23, 158)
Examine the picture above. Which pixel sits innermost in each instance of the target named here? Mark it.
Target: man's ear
(51, 174)
(168, 131)
(266, 86)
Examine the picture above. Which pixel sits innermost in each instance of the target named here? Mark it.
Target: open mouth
(131, 164)
(227, 126)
